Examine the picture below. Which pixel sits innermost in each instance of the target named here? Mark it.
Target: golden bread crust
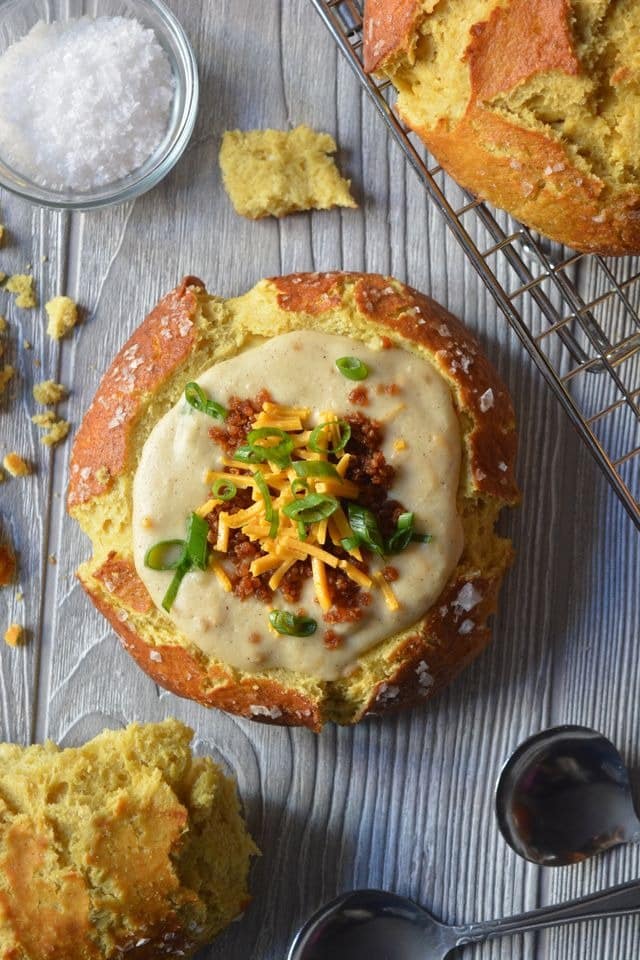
(502, 155)
(424, 658)
(97, 848)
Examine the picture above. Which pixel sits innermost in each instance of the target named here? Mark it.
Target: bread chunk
(128, 838)
(274, 172)
(533, 105)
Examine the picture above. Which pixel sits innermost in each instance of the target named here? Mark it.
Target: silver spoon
(375, 925)
(564, 795)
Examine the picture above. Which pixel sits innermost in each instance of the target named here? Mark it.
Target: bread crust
(426, 657)
(522, 170)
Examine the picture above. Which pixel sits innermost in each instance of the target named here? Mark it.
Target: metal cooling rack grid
(576, 314)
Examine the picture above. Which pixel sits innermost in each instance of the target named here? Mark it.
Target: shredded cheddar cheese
(283, 540)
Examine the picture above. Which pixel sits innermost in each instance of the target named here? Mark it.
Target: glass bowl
(17, 17)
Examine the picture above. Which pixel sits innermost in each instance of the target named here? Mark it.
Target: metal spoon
(563, 796)
(375, 925)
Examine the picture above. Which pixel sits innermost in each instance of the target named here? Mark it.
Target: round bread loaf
(316, 596)
(531, 104)
(127, 845)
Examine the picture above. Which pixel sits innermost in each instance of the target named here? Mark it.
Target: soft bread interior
(127, 837)
(594, 113)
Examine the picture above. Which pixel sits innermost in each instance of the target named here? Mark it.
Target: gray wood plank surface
(404, 803)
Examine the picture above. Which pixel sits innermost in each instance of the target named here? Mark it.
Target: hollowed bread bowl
(122, 457)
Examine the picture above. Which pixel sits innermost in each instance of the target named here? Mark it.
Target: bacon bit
(392, 389)
(390, 574)
(385, 343)
(359, 397)
(255, 638)
(332, 640)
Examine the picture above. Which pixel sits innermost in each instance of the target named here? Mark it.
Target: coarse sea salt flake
(486, 400)
(83, 102)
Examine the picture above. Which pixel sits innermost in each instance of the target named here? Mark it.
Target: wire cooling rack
(577, 314)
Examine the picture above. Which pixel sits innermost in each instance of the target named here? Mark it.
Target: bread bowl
(531, 104)
(139, 469)
(125, 846)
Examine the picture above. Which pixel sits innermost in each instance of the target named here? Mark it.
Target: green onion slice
(299, 485)
(172, 591)
(403, 534)
(365, 528)
(165, 555)
(292, 625)
(316, 438)
(224, 489)
(302, 530)
(312, 508)
(422, 537)
(197, 545)
(350, 543)
(255, 452)
(315, 468)
(352, 368)
(197, 398)
(269, 512)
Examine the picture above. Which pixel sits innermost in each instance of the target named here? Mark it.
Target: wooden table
(403, 803)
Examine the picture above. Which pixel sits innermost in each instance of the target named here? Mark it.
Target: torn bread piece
(276, 172)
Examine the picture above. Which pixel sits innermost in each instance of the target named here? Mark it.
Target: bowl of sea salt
(94, 110)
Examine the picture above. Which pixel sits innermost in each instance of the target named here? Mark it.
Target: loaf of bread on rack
(292, 495)
(533, 105)
(126, 846)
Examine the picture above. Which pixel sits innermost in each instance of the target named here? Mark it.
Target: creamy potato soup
(321, 541)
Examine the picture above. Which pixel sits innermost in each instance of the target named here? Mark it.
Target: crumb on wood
(48, 392)
(16, 465)
(7, 564)
(54, 428)
(6, 374)
(22, 285)
(63, 316)
(3, 323)
(27, 344)
(14, 635)
(52, 559)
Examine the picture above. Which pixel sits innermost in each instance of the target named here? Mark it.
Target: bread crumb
(14, 635)
(48, 392)
(7, 564)
(63, 316)
(52, 559)
(6, 374)
(15, 465)
(22, 285)
(55, 429)
(19, 596)
(277, 172)
(27, 344)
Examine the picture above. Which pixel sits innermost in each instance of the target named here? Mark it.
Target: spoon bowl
(564, 795)
(376, 925)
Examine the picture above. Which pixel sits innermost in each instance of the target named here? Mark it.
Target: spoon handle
(606, 903)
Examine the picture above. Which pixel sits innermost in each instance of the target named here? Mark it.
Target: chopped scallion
(365, 528)
(224, 489)
(197, 398)
(291, 624)
(312, 508)
(352, 368)
(315, 468)
(165, 555)
(316, 439)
